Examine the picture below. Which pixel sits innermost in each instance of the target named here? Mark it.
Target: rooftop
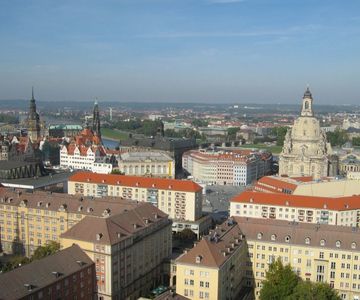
(32, 277)
(70, 203)
(115, 228)
(272, 199)
(136, 181)
(145, 155)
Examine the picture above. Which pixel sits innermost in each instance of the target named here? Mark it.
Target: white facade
(84, 158)
(226, 168)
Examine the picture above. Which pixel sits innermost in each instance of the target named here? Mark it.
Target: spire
(32, 93)
(307, 104)
(307, 93)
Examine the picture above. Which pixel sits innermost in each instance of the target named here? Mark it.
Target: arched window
(273, 237)
(307, 241)
(353, 245)
(306, 104)
(259, 235)
(338, 244)
(287, 239)
(322, 243)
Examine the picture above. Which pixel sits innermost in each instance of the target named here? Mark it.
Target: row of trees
(40, 252)
(8, 119)
(282, 283)
(337, 138)
(146, 127)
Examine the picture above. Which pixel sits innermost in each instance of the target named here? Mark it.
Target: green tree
(186, 235)
(280, 133)
(46, 250)
(280, 282)
(117, 172)
(337, 138)
(307, 290)
(231, 132)
(356, 141)
(199, 123)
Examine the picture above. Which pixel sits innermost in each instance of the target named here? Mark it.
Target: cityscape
(123, 178)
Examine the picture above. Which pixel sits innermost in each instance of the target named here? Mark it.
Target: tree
(337, 138)
(307, 290)
(280, 133)
(356, 141)
(117, 172)
(186, 235)
(46, 250)
(280, 282)
(199, 123)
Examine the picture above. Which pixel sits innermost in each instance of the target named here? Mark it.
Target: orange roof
(136, 181)
(340, 203)
(275, 184)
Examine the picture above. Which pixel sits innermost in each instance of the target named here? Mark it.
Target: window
(273, 237)
(321, 255)
(353, 245)
(338, 244)
(287, 239)
(307, 241)
(322, 243)
(259, 235)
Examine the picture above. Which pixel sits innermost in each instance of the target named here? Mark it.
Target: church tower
(306, 151)
(33, 122)
(96, 120)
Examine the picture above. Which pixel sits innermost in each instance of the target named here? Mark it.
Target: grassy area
(113, 134)
(273, 149)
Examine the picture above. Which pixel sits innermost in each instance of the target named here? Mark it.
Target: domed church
(306, 151)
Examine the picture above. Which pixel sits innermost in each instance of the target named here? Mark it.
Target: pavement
(217, 199)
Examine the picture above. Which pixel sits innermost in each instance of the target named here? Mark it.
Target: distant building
(33, 121)
(130, 250)
(238, 168)
(64, 130)
(306, 151)
(175, 147)
(67, 274)
(147, 163)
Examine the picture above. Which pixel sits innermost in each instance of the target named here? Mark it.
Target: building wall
(163, 169)
(177, 204)
(24, 229)
(133, 266)
(299, 214)
(339, 268)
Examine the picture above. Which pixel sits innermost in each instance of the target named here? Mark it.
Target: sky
(209, 51)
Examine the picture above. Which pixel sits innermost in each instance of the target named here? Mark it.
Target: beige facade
(129, 249)
(181, 200)
(306, 150)
(319, 253)
(147, 163)
(215, 267)
(30, 220)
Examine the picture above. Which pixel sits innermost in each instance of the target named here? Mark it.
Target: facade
(67, 274)
(147, 163)
(129, 250)
(235, 257)
(306, 151)
(319, 253)
(64, 130)
(180, 199)
(31, 219)
(306, 186)
(342, 211)
(215, 267)
(238, 168)
(349, 163)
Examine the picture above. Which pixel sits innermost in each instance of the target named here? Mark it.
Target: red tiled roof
(278, 184)
(340, 203)
(136, 181)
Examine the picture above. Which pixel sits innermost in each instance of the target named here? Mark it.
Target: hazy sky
(242, 51)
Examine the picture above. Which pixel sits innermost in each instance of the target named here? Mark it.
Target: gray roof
(39, 272)
(298, 232)
(145, 155)
(71, 203)
(113, 229)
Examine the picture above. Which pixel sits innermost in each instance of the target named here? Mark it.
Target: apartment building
(180, 199)
(238, 168)
(234, 260)
(215, 267)
(129, 249)
(319, 253)
(67, 274)
(31, 219)
(307, 186)
(344, 211)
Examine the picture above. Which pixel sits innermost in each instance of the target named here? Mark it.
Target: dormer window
(338, 244)
(322, 243)
(353, 245)
(287, 239)
(273, 237)
(307, 241)
(259, 235)
(198, 259)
